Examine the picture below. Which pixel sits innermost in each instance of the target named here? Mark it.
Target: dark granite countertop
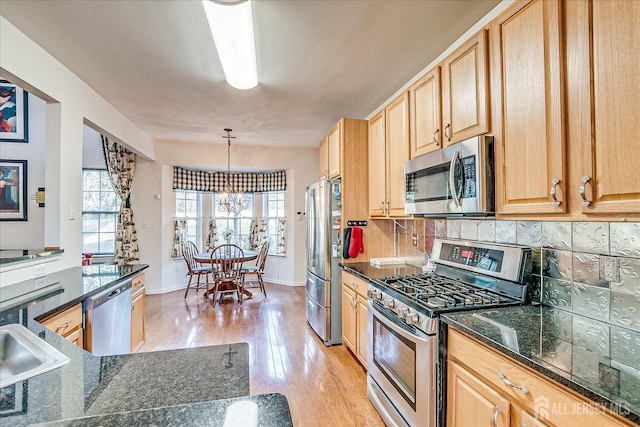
(131, 389)
(9, 256)
(596, 359)
(367, 271)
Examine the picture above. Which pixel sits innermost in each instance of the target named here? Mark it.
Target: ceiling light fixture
(231, 24)
(230, 199)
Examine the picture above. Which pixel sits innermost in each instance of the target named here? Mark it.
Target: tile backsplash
(588, 268)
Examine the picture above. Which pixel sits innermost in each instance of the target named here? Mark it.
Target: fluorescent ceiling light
(232, 29)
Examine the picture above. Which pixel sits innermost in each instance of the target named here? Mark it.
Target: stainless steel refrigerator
(323, 254)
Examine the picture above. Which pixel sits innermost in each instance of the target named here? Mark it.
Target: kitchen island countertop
(187, 386)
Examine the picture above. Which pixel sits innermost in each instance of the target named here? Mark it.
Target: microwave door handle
(452, 181)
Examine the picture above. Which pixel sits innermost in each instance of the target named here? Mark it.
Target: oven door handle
(419, 337)
(452, 180)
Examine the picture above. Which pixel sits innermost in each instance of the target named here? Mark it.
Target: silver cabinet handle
(435, 136)
(64, 325)
(504, 379)
(446, 134)
(387, 208)
(554, 184)
(585, 201)
(495, 416)
(382, 207)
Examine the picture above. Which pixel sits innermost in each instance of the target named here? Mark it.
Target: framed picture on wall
(13, 113)
(13, 190)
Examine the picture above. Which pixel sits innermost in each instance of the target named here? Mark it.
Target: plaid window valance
(250, 182)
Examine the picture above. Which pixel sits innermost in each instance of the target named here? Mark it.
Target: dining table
(205, 258)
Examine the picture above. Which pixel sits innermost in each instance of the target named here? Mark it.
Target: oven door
(402, 371)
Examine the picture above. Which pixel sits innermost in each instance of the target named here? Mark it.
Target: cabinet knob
(554, 184)
(585, 201)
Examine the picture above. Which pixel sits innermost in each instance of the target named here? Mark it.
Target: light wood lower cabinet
(137, 312)
(485, 387)
(354, 315)
(68, 324)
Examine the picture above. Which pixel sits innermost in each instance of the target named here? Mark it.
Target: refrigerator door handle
(312, 230)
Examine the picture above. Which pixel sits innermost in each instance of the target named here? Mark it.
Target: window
(187, 208)
(100, 206)
(239, 224)
(273, 207)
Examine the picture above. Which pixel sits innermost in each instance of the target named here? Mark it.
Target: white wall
(28, 234)
(92, 155)
(156, 178)
(70, 104)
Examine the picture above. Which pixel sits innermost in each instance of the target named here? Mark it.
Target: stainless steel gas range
(403, 321)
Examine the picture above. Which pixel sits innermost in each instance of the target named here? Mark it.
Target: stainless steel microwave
(455, 181)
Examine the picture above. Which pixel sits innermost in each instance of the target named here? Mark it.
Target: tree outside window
(100, 205)
(239, 224)
(187, 208)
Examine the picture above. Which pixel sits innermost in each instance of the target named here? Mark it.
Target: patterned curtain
(179, 236)
(257, 233)
(121, 165)
(212, 236)
(280, 237)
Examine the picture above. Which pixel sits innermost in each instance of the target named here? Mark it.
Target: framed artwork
(13, 113)
(13, 190)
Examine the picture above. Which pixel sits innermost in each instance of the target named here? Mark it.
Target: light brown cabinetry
(137, 312)
(388, 150)
(481, 379)
(425, 114)
(528, 108)
(603, 63)
(465, 91)
(68, 324)
(331, 153)
(354, 315)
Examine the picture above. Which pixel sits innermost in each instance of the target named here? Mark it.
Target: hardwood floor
(325, 386)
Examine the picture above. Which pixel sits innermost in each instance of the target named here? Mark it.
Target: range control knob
(375, 294)
(390, 302)
(402, 312)
(412, 318)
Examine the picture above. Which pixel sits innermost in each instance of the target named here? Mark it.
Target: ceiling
(318, 60)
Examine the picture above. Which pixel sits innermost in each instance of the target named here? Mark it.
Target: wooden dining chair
(227, 274)
(189, 250)
(258, 269)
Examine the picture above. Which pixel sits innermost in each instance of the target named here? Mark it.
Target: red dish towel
(355, 245)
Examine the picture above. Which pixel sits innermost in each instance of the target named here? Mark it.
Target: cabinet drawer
(562, 406)
(66, 321)
(358, 285)
(137, 283)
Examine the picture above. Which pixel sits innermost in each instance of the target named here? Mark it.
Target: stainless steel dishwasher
(108, 320)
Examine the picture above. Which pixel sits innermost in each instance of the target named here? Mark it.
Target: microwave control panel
(469, 168)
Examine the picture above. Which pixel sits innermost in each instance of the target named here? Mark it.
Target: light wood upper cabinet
(388, 150)
(425, 114)
(323, 156)
(334, 140)
(377, 165)
(528, 108)
(465, 91)
(607, 44)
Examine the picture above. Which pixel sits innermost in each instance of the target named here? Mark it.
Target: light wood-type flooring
(325, 386)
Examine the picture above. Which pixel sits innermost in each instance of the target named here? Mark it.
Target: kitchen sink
(23, 355)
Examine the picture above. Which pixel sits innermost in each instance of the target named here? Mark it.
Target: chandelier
(230, 200)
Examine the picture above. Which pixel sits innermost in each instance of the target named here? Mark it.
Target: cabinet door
(397, 135)
(348, 318)
(334, 139)
(528, 100)
(530, 421)
(424, 98)
(323, 155)
(612, 155)
(137, 320)
(465, 91)
(470, 402)
(377, 165)
(361, 321)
